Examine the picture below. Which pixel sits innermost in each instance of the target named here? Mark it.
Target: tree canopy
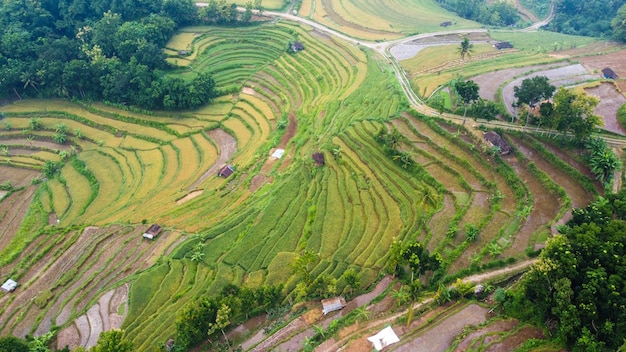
(533, 90)
(578, 285)
(468, 91)
(97, 50)
(590, 18)
(619, 24)
(495, 13)
(465, 48)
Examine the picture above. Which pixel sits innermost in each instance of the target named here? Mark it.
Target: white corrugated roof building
(9, 285)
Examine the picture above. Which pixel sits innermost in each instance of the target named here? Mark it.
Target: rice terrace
(338, 157)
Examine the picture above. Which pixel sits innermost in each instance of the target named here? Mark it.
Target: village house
(503, 45)
(9, 286)
(497, 141)
(332, 304)
(296, 46)
(152, 232)
(226, 171)
(319, 159)
(608, 73)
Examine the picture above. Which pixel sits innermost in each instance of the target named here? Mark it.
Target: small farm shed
(278, 153)
(152, 231)
(332, 304)
(384, 338)
(183, 52)
(503, 45)
(318, 157)
(608, 73)
(445, 24)
(497, 141)
(297, 46)
(225, 171)
(9, 286)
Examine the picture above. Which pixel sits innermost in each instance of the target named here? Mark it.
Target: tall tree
(468, 91)
(533, 90)
(465, 48)
(619, 24)
(573, 113)
(222, 320)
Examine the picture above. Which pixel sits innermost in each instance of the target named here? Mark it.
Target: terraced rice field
(381, 20)
(79, 242)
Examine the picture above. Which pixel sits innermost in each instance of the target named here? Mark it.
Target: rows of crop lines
(309, 66)
(51, 294)
(232, 55)
(467, 180)
(256, 241)
(101, 177)
(378, 20)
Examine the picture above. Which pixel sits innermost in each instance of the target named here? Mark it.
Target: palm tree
(466, 48)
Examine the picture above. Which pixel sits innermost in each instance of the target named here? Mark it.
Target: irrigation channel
(384, 48)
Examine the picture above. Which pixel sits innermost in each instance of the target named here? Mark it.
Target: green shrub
(621, 115)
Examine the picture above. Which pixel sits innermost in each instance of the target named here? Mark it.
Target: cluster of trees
(473, 104)
(220, 12)
(208, 317)
(494, 13)
(596, 18)
(578, 286)
(568, 112)
(96, 50)
(322, 286)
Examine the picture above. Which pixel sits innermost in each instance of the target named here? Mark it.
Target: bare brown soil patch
(615, 60)
(257, 181)
(610, 101)
(191, 195)
(510, 343)
(292, 128)
(489, 83)
(439, 337)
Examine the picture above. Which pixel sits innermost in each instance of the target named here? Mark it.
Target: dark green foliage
(13, 344)
(495, 13)
(484, 109)
(221, 12)
(113, 341)
(533, 90)
(590, 18)
(468, 91)
(619, 24)
(578, 285)
(109, 51)
(602, 161)
(194, 321)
